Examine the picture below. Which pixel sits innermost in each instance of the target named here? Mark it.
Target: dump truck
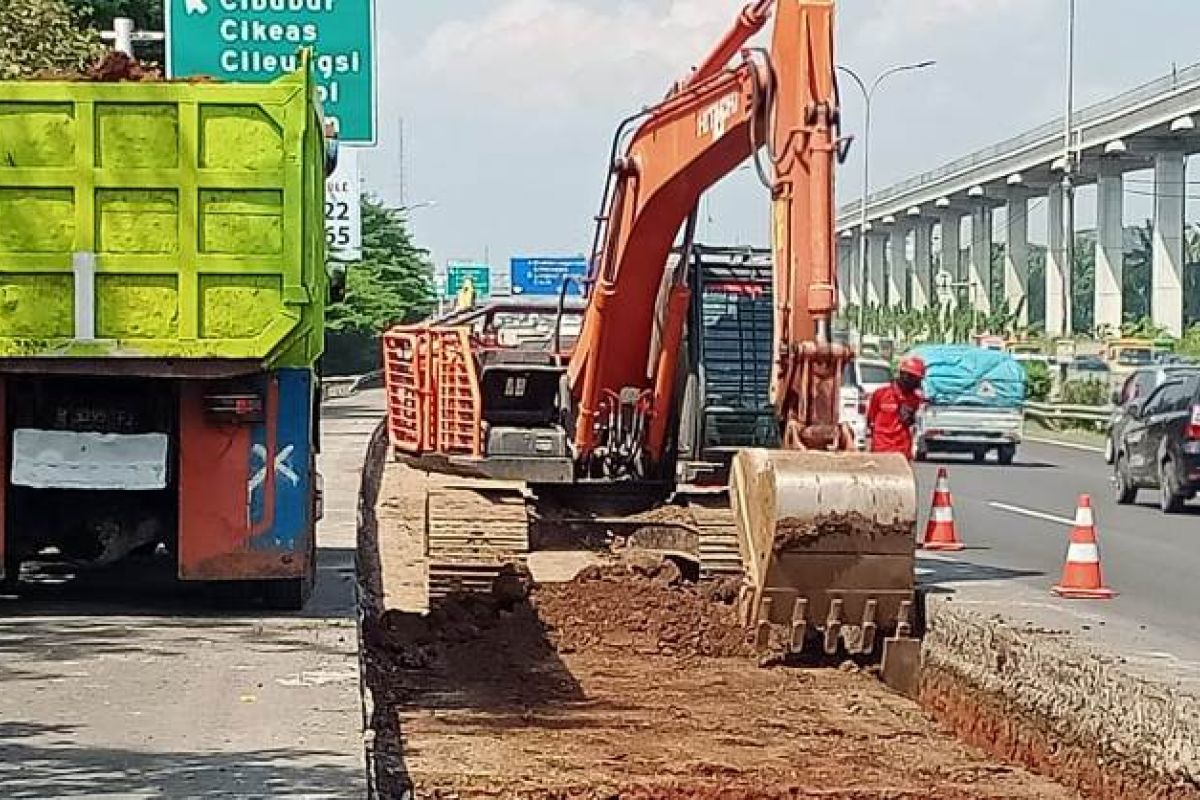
(162, 295)
(581, 446)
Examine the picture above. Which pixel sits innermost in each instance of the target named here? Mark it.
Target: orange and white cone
(1081, 578)
(940, 533)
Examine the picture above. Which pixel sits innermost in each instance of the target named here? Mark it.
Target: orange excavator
(587, 436)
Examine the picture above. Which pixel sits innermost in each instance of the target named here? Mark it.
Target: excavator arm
(825, 536)
(780, 107)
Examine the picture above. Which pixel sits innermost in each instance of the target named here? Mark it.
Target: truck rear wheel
(290, 594)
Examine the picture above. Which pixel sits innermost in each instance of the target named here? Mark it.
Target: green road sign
(457, 273)
(257, 40)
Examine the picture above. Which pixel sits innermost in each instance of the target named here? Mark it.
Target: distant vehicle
(860, 379)
(1132, 394)
(1092, 364)
(1159, 448)
(976, 403)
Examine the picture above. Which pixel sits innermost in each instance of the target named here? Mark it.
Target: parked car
(975, 405)
(860, 379)
(1095, 366)
(1159, 447)
(1133, 392)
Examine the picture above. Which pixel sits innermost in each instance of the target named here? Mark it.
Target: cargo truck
(162, 301)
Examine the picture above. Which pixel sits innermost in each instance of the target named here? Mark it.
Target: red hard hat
(913, 365)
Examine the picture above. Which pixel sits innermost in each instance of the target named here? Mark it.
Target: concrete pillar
(1056, 263)
(1110, 245)
(898, 266)
(1170, 172)
(854, 289)
(951, 225)
(980, 267)
(845, 273)
(875, 243)
(1016, 255)
(922, 263)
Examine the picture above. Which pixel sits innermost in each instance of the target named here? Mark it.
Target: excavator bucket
(827, 541)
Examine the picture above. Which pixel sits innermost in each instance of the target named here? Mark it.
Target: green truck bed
(162, 221)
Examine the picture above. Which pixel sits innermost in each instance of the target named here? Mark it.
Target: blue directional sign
(545, 276)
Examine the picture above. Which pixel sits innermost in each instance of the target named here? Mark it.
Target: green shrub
(1087, 392)
(1037, 381)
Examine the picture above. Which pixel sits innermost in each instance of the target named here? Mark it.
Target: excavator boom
(825, 535)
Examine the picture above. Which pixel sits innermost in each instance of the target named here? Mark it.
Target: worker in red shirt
(892, 413)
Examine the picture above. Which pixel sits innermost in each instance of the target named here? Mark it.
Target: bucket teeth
(904, 619)
(833, 626)
(867, 643)
(799, 625)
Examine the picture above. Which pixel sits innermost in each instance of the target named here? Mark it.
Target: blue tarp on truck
(959, 375)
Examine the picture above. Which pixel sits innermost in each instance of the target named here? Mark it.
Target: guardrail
(350, 385)
(1054, 414)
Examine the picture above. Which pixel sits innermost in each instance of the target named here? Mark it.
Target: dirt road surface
(147, 691)
(628, 683)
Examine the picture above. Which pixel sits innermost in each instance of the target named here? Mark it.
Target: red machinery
(825, 535)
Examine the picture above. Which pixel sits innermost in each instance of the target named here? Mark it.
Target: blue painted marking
(290, 463)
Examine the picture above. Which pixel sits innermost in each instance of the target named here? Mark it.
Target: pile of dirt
(644, 607)
(117, 67)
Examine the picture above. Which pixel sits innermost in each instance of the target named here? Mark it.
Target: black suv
(1133, 392)
(1159, 445)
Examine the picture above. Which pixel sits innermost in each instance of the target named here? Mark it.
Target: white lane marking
(1087, 448)
(1028, 512)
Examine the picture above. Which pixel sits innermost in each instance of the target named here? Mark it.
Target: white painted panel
(81, 460)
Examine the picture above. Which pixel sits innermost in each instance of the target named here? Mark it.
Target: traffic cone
(940, 533)
(1081, 578)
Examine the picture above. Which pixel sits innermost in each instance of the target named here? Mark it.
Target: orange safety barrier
(434, 402)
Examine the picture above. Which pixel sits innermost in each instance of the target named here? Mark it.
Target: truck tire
(11, 581)
(1006, 454)
(290, 594)
(979, 454)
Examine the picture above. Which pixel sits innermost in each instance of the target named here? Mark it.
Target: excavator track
(472, 528)
(714, 520)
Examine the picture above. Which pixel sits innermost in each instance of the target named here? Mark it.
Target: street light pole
(863, 221)
(1068, 269)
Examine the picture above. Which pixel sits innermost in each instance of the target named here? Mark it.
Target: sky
(508, 107)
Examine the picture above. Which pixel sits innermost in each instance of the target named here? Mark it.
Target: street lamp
(1067, 271)
(415, 206)
(868, 96)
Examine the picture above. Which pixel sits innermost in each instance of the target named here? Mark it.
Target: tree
(146, 15)
(44, 36)
(1135, 277)
(1037, 286)
(1083, 283)
(392, 284)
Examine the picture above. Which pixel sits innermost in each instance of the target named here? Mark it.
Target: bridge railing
(1186, 78)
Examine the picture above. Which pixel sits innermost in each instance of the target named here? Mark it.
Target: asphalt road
(145, 690)
(1152, 560)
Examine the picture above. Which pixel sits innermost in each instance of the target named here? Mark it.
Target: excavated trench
(631, 682)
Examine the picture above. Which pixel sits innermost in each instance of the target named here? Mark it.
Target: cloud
(557, 55)
(893, 22)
